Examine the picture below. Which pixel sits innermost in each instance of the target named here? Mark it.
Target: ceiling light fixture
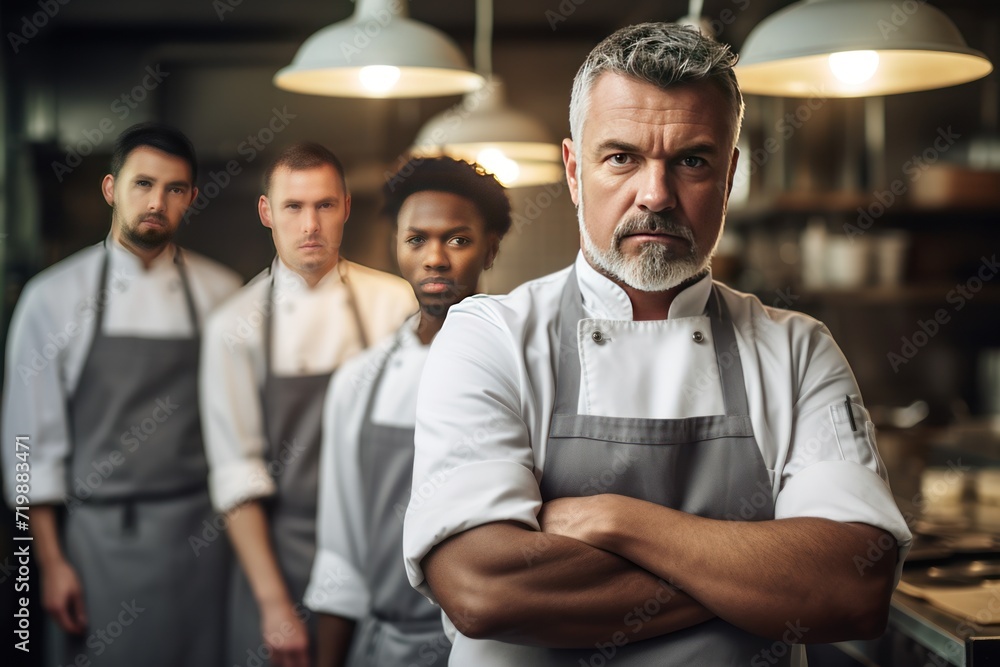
(515, 147)
(856, 48)
(378, 53)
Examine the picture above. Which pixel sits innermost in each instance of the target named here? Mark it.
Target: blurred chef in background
(449, 217)
(269, 353)
(102, 379)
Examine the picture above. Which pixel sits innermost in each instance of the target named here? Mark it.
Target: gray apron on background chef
(139, 472)
(402, 628)
(709, 466)
(293, 418)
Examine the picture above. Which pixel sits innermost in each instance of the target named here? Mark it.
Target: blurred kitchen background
(877, 215)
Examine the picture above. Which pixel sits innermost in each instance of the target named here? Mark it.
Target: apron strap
(727, 355)
(377, 381)
(568, 368)
(186, 284)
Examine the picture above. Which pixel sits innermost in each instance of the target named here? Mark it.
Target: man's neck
(428, 326)
(313, 278)
(650, 305)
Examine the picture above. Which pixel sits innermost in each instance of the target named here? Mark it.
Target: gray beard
(657, 268)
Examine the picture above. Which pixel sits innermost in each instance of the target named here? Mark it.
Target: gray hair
(663, 54)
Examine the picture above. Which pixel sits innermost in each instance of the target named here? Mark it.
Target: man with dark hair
(625, 462)
(101, 388)
(449, 218)
(269, 354)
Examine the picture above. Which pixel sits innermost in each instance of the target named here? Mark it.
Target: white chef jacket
(337, 585)
(52, 328)
(314, 332)
(488, 389)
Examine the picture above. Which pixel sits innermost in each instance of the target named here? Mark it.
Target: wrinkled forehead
(620, 103)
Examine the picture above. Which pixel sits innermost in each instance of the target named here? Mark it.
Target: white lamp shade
(514, 146)
(379, 53)
(916, 47)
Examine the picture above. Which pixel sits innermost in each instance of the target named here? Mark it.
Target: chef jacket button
(598, 337)
(698, 336)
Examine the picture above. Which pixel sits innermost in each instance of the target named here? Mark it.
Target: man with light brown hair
(269, 353)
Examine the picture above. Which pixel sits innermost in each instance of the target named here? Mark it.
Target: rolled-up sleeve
(833, 469)
(473, 462)
(232, 422)
(34, 404)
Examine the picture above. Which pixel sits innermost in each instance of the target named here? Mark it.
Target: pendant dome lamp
(856, 48)
(513, 146)
(379, 53)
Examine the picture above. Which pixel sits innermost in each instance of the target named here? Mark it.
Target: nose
(435, 257)
(656, 192)
(310, 221)
(157, 200)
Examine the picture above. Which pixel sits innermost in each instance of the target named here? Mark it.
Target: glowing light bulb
(494, 161)
(379, 78)
(854, 67)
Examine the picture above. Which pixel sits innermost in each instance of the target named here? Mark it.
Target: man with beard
(269, 354)
(101, 387)
(626, 462)
(449, 218)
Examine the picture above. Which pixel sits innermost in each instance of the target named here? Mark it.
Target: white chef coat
(337, 585)
(314, 332)
(487, 393)
(52, 328)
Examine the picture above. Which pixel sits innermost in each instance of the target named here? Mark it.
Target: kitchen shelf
(918, 294)
(805, 204)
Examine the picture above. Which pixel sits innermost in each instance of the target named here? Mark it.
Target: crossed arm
(505, 581)
(600, 559)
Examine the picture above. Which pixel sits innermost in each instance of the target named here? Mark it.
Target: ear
(347, 206)
(264, 211)
(732, 172)
(491, 252)
(569, 159)
(108, 189)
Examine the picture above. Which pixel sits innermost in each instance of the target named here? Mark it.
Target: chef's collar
(604, 299)
(291, 282)
(123, 259)
(408, 332)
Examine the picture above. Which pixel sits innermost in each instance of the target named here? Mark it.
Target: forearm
(45, 531)
(248, 532)
(763, 575)
(333, 640)
(503, 581)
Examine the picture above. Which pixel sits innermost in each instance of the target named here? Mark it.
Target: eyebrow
(154, 179)
(327, 200)
(618, 146)
(450, 230)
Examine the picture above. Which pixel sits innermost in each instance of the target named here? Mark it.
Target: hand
(578, 518)
(62, 597)
(285, 634)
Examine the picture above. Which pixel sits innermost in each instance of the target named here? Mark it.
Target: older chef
(701, 468)
(269, 354)
(449, 217)
(101, 376)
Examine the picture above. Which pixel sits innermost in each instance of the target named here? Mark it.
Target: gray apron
(293, 418)
(403, 627)
(708, 466)
(151, 599)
